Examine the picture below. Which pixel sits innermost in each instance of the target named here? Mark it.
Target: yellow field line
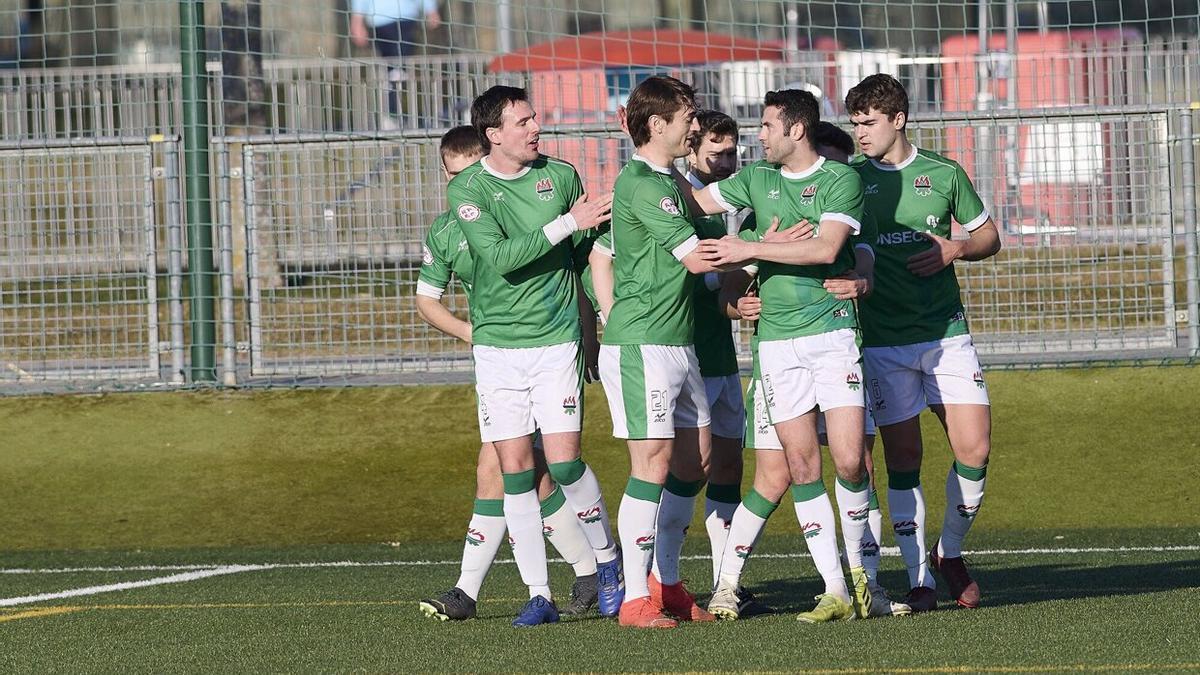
(35, 613)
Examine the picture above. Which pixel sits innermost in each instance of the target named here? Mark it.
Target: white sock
(872, 540)
(745, 528)
(523, 516)
(718, 518)
(484, 534)
(635, 526)
(906, 506)
(815, 514)
(675, 510)
(561, 529)
(853, 508)
(583, 494)
(964, 494)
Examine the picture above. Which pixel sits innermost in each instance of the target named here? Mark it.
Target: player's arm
(601, 263)
(968, 209)
(734, 285)
(591, 343)
(669, 227)
(432, 281)
(818, 250)
(490, 243)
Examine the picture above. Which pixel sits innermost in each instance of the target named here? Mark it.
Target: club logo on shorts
(544, 189)
(667, 204)
(958, 317)
(809, 195)
(877, 400)
(853, 381)
(859, 514)
(485, 417)
(923, 186)
(590, 516)
(475, 537)
(811, 530)
(547, 531)
(968, 512)
(904, 528)
(426, 255)
(870, 550)
(978, 377)
(645, 543)
(743, 552)
(569, 405)
(468, 212)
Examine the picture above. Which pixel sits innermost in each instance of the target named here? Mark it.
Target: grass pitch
(246, 532)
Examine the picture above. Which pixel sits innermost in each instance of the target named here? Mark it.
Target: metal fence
(320, 217)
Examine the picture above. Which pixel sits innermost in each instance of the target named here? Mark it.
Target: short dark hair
(461, 142)
(796, 106)
(488, 108)
(658, 95)
(828, 133)
(712, 123)
(881, 92)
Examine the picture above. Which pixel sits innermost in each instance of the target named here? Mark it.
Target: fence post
(199, 205)
(1188, 165)
(228, 269)
(174, 261)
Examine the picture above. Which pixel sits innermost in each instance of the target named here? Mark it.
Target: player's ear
(900, 120)
(493, 135)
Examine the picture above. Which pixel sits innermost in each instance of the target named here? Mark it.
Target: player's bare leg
(902, 451)
(968, 428)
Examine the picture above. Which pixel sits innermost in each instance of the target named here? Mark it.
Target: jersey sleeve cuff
(429, 290)
(560, 228)
(855, 226)
(714, 191)
(602, 249)
(752, 269)
(977, 222)
(680, 252)
(865, 247)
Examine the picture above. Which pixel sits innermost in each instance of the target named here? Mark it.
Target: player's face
(452, 165)
(676, 132)
(875, 133)
(830, 152)
(715, 159)
(775, 136)
(518, 134)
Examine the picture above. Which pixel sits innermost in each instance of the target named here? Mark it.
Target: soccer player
(917, 347)
(444, 256)
(647, 362)
(807, 341)
(518, 210)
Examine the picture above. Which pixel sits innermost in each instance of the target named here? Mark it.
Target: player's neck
(802, 159)
(658, 156)
(501, 164)
(900, 151)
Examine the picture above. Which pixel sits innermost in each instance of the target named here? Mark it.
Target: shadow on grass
(1014, 585)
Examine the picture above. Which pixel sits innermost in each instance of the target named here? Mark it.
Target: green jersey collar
(503, 176)
(896, 167)
(805, 173)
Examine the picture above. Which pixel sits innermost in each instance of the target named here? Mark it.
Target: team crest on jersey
(468, 212)
(426, 255)
(667, 204)
(923, 186)
(809, 194)
(544, 189)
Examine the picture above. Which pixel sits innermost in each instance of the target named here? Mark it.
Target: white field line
(890, 551)
(129, 585)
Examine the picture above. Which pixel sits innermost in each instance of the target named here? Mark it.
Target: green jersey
(907, 200)
(794, 300)
(651, 232)
(715, 349)
(525, 292)
(445, 254)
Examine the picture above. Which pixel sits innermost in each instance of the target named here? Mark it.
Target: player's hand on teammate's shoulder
(941, 253)
(591, 213)
(801, 230)
(749, 306)
(849, 286)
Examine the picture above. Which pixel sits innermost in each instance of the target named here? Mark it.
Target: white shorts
(906, 379)
(519, 390)
(726, 410)
(652, 390)
(799, 374)
(760, 433)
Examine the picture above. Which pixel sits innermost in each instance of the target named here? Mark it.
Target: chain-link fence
(1078, 129)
